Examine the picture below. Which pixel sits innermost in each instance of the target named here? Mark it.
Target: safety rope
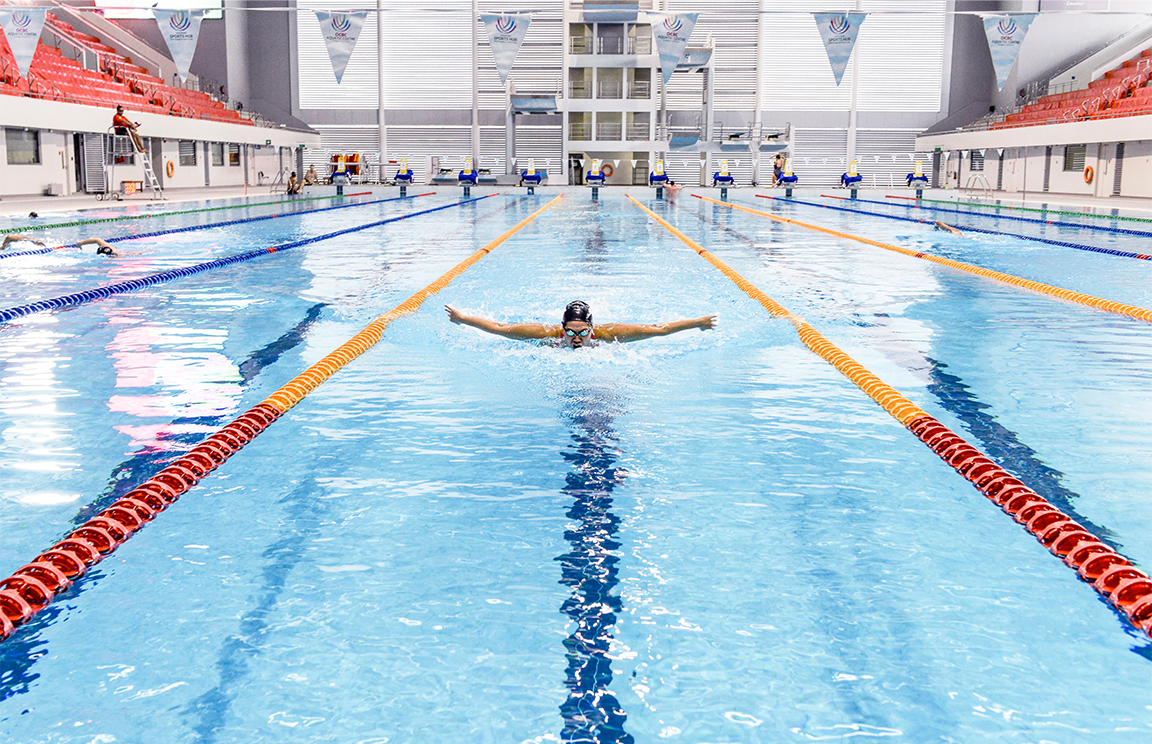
(1065, 294)
(193, 228)
(78, 223)
(970, 228)
(1031, 209)
(1054, 223)
(1112, 575)
(91, 295)
(34, 586)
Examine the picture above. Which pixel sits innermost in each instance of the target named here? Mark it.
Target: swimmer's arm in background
(17, 238)
(522, 331)
(637, 331)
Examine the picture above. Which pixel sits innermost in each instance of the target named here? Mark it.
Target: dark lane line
(591, 713)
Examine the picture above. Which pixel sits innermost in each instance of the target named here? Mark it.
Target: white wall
(55, 167)
(1136, 178)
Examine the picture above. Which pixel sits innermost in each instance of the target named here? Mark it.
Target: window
(187, 152)
(217, 149)
(1074, 157)
(977, 160)
(233, 154)
(23, 146)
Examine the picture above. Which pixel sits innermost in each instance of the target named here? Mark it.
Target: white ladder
(150, 176)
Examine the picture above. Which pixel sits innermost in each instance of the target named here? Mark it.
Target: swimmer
(948, 228)
(673, 189)
(15, 238)
(576, 329)
(103, 248)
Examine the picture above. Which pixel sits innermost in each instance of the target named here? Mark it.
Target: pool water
(705, 538)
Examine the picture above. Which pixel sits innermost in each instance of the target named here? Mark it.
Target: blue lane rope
(1033, 220)
(100, 293)
(969, 228)
(192, 228)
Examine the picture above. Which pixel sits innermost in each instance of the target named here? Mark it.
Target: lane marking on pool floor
(34, 586)
(91, 295)
(1112, 575)
(1119, 308)
(210, 225)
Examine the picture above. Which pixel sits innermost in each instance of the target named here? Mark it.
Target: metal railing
(640, 89)
(579, 131)
(609, 45)
(609, 131)
(579, 89)
(639, 44)
(610, 89)
(638, 132)
(579, 44)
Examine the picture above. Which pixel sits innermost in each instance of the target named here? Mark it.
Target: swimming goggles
(570, 332)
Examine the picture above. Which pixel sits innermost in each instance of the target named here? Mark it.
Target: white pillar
(383, 141)
(852, 109)
(475, 85)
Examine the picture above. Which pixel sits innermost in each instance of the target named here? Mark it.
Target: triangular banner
(180, 29)
(22, 27)
(1005, 35)
(839, 31)
(340, 30)
(505, 35)
(671, 38)
(615, 163)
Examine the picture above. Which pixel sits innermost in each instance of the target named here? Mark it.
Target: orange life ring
(1088, 173)
(170, 169)
(607, 170)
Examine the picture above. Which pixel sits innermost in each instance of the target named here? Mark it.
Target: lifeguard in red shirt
(126, 127)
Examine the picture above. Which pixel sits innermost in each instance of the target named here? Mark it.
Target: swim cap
(578, 310)
(104, 250)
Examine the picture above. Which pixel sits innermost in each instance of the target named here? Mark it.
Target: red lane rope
(1126, 587)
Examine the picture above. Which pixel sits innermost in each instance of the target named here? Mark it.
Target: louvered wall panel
(428, 53)
(684, 169)
(741, 171)
(883, 144)
(734, 26)
(359, 88)
(539, 65)
(817, 155)
(343, 139)
(451, 144)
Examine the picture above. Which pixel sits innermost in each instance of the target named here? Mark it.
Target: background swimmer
(948, 228)
(576, 329)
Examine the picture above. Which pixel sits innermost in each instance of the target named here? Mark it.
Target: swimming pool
(710, 537)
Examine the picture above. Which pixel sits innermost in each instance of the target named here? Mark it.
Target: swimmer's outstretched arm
(507, 330)
(637, 331)
(949, 228)
(14, 238)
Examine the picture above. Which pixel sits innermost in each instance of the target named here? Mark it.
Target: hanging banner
(181, 29)
(340, 30)
(22, 27)
(838, 32)
(1005, 35)
(671, 38)
(505, 35)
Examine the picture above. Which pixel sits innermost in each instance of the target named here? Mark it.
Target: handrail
(975, 179)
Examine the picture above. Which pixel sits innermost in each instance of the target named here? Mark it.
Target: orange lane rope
(1112, 575)
(1119, 308)
(32, 587)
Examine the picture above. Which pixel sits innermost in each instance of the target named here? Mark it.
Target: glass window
(217, 153)
(1074, 157)
(233, 154)
(23, 146)
(187, 152)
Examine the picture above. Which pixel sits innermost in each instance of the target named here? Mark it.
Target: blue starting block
(846, 180)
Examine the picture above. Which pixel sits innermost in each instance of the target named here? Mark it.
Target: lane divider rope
(1030, 220)
(1119, 308)
(78, 223)
(91, 295)
(1112, 575)
(970, 228)
(194, 228)
(33, 587)
(1029, 209)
